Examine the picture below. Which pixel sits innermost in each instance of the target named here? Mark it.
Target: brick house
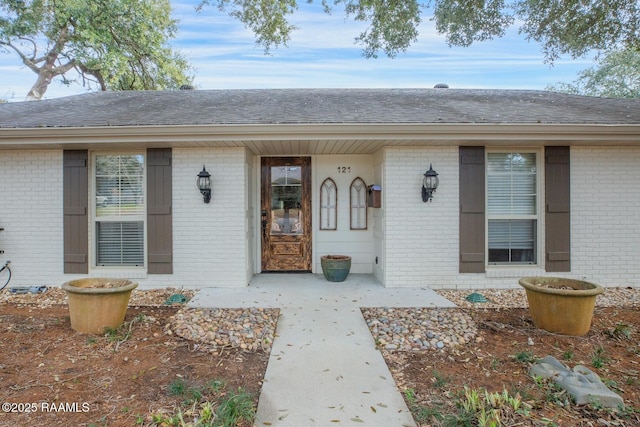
(530, 183)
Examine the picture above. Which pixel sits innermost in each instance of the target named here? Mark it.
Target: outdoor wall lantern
(429, 184)
(204, 184)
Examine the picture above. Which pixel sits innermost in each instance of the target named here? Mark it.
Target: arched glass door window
(358, 193)
(328, 205)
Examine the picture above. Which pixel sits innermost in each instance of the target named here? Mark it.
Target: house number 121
(344, 169)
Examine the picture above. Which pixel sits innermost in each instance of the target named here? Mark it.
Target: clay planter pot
(96, 304)
(335, 267)
(563, 306)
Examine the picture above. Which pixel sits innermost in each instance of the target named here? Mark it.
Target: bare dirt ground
(110, 380)
(500, 359)
(134, 376)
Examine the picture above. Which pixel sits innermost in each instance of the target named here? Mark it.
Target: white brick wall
(209, 244)
(421, 239)
(31, 214)
(417, 243)
(209, 239)
(605, 215)
(378, 219)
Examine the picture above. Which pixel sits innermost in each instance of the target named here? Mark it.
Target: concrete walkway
(324, 369)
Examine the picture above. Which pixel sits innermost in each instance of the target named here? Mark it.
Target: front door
(286, 213)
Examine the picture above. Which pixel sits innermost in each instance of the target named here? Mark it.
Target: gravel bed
(414, 329)
(393, 329)
(56, 296)
(210, 330)
(516, 298)
(248, 329)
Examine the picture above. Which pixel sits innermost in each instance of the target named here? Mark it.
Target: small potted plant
(335, 267)
(561, 305)
(96, 304)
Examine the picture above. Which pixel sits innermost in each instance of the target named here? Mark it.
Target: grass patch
(552, 392)
(421, 413)
(470, 407)
(621, 331)
(207, 405)
(123, 333)
(599, 357)
(525, 357)
(235, 407)
(439, 380)
(177, 387)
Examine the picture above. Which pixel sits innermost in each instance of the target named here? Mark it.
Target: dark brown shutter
(75, 210)
(557, 215)
(159, 222)
(472, 210)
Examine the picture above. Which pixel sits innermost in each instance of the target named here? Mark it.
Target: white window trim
(115, 271)
(539, 217)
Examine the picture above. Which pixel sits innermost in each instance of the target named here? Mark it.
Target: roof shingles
(317, 106)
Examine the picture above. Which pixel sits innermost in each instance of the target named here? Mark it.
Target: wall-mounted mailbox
(374, 196)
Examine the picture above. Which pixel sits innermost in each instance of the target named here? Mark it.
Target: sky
(322, 54)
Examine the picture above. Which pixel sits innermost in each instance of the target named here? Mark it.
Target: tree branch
(84, 70)
(25, 59)
(35, 48)
(61, 69)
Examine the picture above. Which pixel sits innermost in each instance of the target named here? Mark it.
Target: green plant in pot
(560, 305)
(335, 267)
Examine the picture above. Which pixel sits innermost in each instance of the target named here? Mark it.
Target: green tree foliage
(112, 44)
(267, 19)
(572, 27)
(393, 25)
(617, 75)
(575, 27)
(464, 22)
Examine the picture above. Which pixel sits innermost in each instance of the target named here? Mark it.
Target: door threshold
(286, 272)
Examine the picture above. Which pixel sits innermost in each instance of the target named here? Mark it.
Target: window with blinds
(512, 208)
(119, 210)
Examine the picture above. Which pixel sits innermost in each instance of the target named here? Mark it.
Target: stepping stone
(581, 383)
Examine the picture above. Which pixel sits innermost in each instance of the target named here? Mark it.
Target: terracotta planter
(335, 267)
(563, 306)
(96, 304)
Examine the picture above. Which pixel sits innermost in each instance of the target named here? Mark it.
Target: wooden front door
(286, 213)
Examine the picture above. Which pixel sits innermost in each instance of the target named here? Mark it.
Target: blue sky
(322, 53)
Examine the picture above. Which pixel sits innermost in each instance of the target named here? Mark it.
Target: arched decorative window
(358, 193)
(328, 205)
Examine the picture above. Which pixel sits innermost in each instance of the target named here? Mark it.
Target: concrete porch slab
(312, 290)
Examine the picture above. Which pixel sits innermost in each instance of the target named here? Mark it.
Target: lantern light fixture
(204, 184)
(429, 184)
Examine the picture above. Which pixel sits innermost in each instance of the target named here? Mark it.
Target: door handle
(264, 220)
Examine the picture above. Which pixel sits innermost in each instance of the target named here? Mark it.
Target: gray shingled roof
(318, 106)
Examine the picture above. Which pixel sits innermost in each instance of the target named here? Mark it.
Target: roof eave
(420, 133)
